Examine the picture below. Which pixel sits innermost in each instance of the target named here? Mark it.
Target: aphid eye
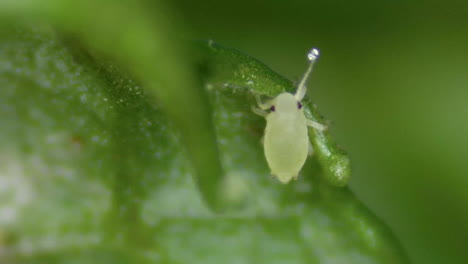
(299, 105)
(272, 108)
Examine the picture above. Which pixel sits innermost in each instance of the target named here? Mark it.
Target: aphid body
(286, 141)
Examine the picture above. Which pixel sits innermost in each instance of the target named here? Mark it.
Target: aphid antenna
(312, 56)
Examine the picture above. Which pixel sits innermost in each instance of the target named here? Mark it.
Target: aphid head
(286, 103)
(312, 56)
(289, 103)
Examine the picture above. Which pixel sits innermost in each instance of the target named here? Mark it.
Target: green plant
(121, 144)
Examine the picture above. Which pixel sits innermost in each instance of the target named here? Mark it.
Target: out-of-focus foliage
(98, 166)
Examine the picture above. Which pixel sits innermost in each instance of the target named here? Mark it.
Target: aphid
(286, 142)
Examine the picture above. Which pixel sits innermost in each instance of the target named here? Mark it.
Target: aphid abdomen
(286, 144)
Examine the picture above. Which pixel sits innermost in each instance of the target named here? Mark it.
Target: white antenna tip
(313, 54)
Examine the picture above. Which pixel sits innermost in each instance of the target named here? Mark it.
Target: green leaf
(141, 40)
(98, 166)
(231, 69)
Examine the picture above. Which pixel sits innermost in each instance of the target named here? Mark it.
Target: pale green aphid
(286, 141)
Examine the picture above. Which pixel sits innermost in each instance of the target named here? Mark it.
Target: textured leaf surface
(92, 170)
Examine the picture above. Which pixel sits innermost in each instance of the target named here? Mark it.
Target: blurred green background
(393, 78)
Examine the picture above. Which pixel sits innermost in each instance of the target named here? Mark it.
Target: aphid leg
(316, 125)
(262, 105)
(311, 150)
(295, 177)
(259, 111)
